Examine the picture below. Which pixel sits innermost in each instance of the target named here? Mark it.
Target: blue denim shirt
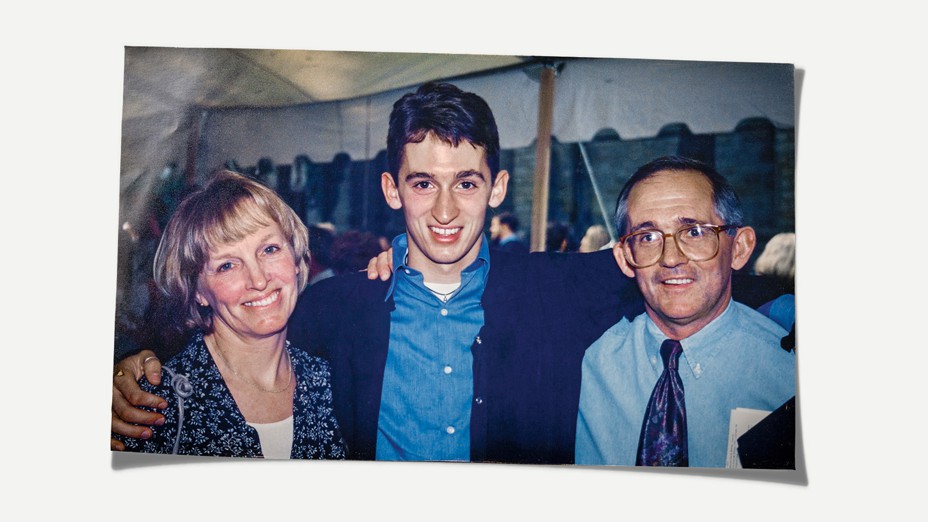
(428, 382)
(734, 362)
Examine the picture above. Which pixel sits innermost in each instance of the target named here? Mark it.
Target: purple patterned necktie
(663, 432)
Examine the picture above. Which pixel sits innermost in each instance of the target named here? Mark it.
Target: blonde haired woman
(234, 259)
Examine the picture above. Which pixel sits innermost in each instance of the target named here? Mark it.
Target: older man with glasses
(662, 389)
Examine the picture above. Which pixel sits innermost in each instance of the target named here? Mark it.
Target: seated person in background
(504, 233)
(233, 260)
(778, 263)
(596, 238)
(352, 249)
(321, 239)
(558, 238)
(683, 238)
(778, 260)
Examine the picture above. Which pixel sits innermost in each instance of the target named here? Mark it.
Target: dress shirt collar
(698, 348)
(401, 253)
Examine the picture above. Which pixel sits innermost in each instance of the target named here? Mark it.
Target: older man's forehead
(677, 177)
(677, 223)
(687, 192)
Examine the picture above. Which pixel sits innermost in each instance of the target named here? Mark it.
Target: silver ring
(150, 357)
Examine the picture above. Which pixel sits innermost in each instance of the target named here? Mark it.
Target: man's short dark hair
(726, 202)
(557, 234)
(452, 115)
(510, 220)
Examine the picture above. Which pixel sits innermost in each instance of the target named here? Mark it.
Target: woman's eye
(224, 267)
(271, 249)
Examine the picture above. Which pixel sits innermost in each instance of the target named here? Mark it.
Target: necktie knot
(670, 353)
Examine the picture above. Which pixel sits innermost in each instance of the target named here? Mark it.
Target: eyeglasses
(697, 242)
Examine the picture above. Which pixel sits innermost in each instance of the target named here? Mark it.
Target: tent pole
(192, 168)
(542, 160)
(599, 196)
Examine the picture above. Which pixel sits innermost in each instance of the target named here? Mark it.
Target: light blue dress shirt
(428, 382)
(734, 362)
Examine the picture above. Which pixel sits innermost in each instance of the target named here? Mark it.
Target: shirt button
(450, 430)
(447, 369)
(407, 271)
(479, 400)
(444, 311)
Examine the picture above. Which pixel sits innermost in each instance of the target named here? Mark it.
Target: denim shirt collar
(400, 244)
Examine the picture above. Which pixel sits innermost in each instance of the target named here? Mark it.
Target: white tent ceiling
(274, 78)
(163, 85)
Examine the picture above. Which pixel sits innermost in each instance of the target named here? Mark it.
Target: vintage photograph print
(461, 258)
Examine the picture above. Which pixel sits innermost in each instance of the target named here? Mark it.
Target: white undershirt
(276, 438)
(442, 290)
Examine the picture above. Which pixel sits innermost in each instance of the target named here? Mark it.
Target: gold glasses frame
(718, 229)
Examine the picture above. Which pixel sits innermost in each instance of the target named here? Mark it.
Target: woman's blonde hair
(226, 210)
